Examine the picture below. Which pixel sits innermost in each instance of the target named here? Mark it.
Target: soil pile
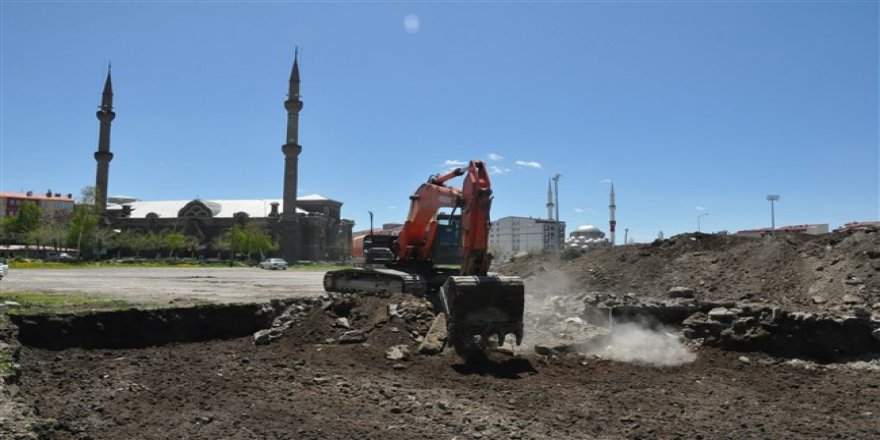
(836, 273)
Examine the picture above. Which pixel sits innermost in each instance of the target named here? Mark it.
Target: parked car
(273, 263)
(63, 256)
(4, 268)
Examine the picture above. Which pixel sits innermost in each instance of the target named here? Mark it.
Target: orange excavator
(481, 308)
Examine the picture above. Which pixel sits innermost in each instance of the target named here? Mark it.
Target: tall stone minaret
(103, 156)
(612, 208)
(549, 201)
(291, 149)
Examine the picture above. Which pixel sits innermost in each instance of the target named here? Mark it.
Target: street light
(698, 220)
(772, 198)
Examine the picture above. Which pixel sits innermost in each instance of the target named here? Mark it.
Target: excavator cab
(447, 245)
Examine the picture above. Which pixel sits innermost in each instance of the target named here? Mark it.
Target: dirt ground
(306, 385)
(315, 382)
(173, 285)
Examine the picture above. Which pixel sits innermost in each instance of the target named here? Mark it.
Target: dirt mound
(838, 272)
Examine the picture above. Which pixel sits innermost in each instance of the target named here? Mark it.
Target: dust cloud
(556, 315)
(633, 342)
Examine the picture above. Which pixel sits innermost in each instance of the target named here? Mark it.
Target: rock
(681, 292)
(745, 359)
(10, 304)
(262, 337)
(342, 323)
(722, 314)
(819, 300)
(353, 337)
(397, 353)
(436, 337)
(851, 299)
(876, 334)
(820, 268)
(853, 281)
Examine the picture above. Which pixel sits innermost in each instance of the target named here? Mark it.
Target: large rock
(852, 299)
(436, 337)
(353, 337)
(722, 314)
(262, 337)
(397, 353)
(681, 292)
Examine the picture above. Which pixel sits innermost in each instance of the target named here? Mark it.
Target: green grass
(38, 302)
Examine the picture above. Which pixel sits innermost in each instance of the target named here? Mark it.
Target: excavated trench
(736, 327)
(135, 328)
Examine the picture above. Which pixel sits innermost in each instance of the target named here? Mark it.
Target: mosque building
(306, 228)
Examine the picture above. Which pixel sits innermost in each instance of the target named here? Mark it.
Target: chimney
(48, 193)
(69, 195)
(30, 193)
(274, 212)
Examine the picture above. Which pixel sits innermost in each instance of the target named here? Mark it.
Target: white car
(4, 268)
(273, 263)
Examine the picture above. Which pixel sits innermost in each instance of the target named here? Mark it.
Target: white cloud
(455, 163)
(529, 164)
(579, 210)
(700, 208)
(411, 23)
(605, 181)
(498, 170)
(493, 156)
(392, 208)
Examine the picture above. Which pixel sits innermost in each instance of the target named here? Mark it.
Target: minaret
(612, 207)
(549, 200)
(291, 150)
(103, 156)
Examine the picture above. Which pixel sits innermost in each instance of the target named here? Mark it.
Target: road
(170, 285)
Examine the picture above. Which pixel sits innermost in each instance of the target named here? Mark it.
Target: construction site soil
(350, 367)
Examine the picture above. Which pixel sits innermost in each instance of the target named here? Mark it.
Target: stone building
(306, 228)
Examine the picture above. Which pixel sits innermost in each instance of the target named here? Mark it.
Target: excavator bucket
(480, 307)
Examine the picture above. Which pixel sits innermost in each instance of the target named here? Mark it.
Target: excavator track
(481, 311)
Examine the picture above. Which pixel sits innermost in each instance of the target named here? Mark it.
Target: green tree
(28, 218)
(81, 231)
(257, 240)
(175, 241)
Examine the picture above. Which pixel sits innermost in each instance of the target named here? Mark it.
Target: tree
(174, 241)
(83, 224)
(154, 242)
(28, 218)
(257, 239)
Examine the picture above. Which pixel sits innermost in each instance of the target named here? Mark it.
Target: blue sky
(690, 107)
